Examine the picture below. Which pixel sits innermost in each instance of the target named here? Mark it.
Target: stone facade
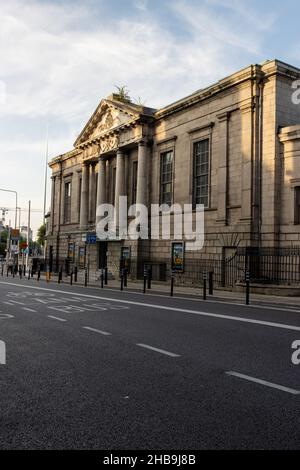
(253, 132)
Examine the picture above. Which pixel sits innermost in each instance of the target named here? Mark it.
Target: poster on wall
(177, 261)
(126, 256)
(81, 256)
(71, 251)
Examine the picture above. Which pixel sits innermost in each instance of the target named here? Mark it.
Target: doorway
(102, 255)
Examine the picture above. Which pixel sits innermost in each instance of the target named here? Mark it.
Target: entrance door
(102, 255)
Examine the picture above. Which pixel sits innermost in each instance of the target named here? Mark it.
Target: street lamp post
(16, 195)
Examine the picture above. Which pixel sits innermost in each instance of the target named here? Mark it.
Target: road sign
(14, 234)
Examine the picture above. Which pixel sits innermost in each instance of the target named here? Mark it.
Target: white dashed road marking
(264, 382)
(161, 351)
(56, 318)
(29, 309)
(105, 333)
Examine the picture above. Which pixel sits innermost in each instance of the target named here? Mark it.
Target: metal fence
(265, 266)
(279, 266)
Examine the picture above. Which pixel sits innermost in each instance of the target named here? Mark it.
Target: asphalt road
(102, 369)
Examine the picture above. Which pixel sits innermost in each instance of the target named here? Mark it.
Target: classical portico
(114, 148)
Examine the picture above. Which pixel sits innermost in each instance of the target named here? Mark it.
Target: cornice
(288, 134)
(250, 73)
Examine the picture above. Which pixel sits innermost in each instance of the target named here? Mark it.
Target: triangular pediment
(109, 115)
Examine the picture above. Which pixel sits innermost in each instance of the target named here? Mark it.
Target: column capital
(142, 142)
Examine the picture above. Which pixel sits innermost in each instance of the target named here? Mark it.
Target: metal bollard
(172, 285)
(71, 278)
(247, 287)
(39, 275)
(2, 269)
(204, 285)
(76, 274)
(149, 275)
(211, 283)
(122, 280)
(102, 278)
(85, 278)
(145, 284)
(106, 277)
(125, 277)
(28, 277)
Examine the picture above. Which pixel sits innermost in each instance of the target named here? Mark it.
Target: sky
(58, 59)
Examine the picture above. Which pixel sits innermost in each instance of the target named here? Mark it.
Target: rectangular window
(67, 203)
(166, 178)
(297, 205)
(200, 172)
(134, 182)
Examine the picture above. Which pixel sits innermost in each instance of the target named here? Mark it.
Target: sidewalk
(182, 291)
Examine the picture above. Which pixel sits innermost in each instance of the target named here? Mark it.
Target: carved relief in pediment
(109, 144)
(108, 121)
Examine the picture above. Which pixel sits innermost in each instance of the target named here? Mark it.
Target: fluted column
(141, 187)
(101, 190)
(120, 182)
(84, 211)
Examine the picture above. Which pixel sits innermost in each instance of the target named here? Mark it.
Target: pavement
(91, 368)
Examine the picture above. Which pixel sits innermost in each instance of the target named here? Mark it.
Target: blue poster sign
(91, 239)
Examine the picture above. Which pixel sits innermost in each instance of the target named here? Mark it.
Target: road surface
(101, 369)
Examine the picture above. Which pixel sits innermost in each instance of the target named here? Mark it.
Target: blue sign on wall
(91, 239)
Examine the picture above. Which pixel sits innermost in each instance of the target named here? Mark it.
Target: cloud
(52, 66)
(141, 5)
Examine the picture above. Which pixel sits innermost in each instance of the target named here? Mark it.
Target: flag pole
(46, 174)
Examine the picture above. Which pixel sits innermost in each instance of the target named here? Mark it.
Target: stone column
(92, 193)
(120, 182)
(101, 190)
(142, 186)
(53, 206)
(247, 154)
(223, 168)
(84, 212)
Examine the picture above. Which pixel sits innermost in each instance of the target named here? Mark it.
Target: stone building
(233, 146)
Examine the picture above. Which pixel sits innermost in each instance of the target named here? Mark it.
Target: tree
(3, 242)
(41, 234)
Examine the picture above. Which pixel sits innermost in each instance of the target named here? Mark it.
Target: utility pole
(28, 234)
